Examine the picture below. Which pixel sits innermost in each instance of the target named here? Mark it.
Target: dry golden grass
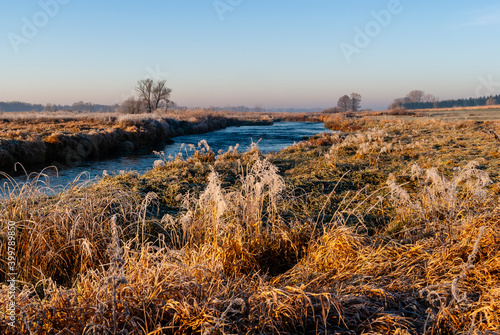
(460, 108)
(392, 228)
(477, 113)
(25, 125)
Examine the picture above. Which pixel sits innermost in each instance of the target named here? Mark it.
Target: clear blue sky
(274, 53)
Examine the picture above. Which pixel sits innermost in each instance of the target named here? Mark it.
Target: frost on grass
(235, 261)
(439, 197)
(218, 212)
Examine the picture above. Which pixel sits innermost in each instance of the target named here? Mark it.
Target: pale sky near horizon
(271, 53)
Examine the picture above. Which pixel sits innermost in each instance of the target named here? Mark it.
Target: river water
(268, 138)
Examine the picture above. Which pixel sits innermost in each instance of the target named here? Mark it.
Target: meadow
(389, 227)
(477, 113)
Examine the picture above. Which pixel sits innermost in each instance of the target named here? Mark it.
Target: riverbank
(67, 139)
(392, 228)
(269, 138)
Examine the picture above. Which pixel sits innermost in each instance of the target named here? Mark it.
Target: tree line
(346, 103)
(18, 106)
(152, 95)
(418, 99)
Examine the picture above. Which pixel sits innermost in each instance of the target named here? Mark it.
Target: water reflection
(269, 138)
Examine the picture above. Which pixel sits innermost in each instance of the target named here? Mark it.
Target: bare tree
(50, 108)
(399, 103)
(416, 96)
(153, 94)
(344, 103)
(355, 102)
(259, 109)
(83, 106)
(491, 101)
(396, 103)
(161, 94)
(429, 98)
(132, 106)
(171, 105)
(145, 89)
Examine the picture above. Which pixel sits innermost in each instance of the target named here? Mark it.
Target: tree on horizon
(344, 103)
(153, 94)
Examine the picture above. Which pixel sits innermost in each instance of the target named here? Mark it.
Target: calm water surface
(269, 138)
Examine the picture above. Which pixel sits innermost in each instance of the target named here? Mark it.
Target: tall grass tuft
(64, 234)
(440, 199)
(243, 227)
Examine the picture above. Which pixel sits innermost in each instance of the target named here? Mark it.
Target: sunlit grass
(391, 228)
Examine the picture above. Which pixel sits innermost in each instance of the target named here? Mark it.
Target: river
(268, 138)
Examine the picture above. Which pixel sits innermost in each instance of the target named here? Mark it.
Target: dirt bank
(70, 147)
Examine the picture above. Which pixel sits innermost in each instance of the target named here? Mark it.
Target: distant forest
(17, 106)
(470, 102)
(259, 109)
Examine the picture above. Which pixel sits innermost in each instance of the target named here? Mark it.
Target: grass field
(390, 227)
(479, 113)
